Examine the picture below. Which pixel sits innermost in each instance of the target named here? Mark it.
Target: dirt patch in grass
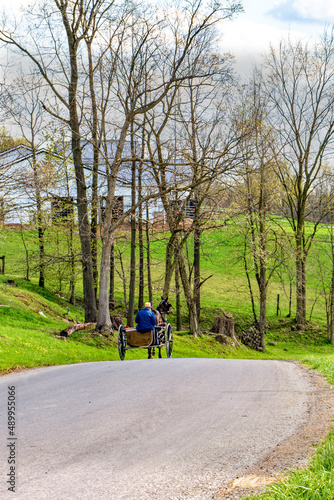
(13, 369)
(293, 453)
(94, 338)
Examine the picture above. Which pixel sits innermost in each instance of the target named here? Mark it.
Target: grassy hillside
(31, 319)
(221, 257)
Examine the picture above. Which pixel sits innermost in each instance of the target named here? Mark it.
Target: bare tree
(59, 65)
(132, 282)
(299, 90)
(255, 199)
(201, 154)
(150, 61)
(134, 53)
(202, 111)
(21, 103)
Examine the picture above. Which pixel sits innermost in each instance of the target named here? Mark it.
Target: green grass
(225, 290)
(27, 338)
(316, 482)
(24, 332)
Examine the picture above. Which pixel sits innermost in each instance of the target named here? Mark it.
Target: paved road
(146, 429)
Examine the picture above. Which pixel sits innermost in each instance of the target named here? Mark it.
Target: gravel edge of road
(294, 452)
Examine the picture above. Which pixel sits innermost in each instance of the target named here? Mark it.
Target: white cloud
(320, 9)
(304, 10)
(247, 40)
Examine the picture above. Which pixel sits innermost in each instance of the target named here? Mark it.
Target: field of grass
(226, 289)
(316, 482)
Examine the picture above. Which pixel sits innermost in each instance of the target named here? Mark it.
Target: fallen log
(74, 328)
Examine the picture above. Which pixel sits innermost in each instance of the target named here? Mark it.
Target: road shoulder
(294, 452)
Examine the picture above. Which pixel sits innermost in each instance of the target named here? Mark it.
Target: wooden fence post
(277, 308)
(2, 267)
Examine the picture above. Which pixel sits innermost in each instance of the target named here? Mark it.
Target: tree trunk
(148, 255)
(26, 255)
(193, 322)
(290, 300)
(112, 277)
(249, 281)
(331, 337)
(141, 241)
(132, 284)
(40, 230)
(74, 328)
(191, 304)
(224, 326)
(169, 264)
(197, 270)
(84, 232)
(96, 158)
(72, 267)
(39, 216)
(262, 263)
(104, 311)
(41, 281)
(104, 321)
(178, 297)
(300, 284)
(263, 302)
(83, 220)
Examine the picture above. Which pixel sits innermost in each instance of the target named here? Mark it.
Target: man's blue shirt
(146, 320)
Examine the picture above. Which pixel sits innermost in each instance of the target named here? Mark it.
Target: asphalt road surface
(147, 429)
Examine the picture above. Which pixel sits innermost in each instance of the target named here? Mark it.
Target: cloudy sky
(265, 21)
(262, 22)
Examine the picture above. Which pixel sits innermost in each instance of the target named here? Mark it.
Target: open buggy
(159, 337)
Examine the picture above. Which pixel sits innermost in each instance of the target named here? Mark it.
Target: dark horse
(163, 308)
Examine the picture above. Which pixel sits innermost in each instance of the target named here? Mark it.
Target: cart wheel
(121, 342)
(169, 340)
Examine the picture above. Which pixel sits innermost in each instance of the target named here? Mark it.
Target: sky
(262, 22)
(268, 21)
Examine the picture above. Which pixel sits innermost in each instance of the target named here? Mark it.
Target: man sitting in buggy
(151, 331)
(145, 319)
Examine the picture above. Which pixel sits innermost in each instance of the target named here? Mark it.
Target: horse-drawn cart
(159, 337)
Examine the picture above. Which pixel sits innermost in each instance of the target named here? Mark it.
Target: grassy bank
(31, 319)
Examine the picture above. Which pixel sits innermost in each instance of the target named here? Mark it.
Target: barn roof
(175, 173)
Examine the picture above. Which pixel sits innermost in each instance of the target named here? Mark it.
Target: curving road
(147, 429)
